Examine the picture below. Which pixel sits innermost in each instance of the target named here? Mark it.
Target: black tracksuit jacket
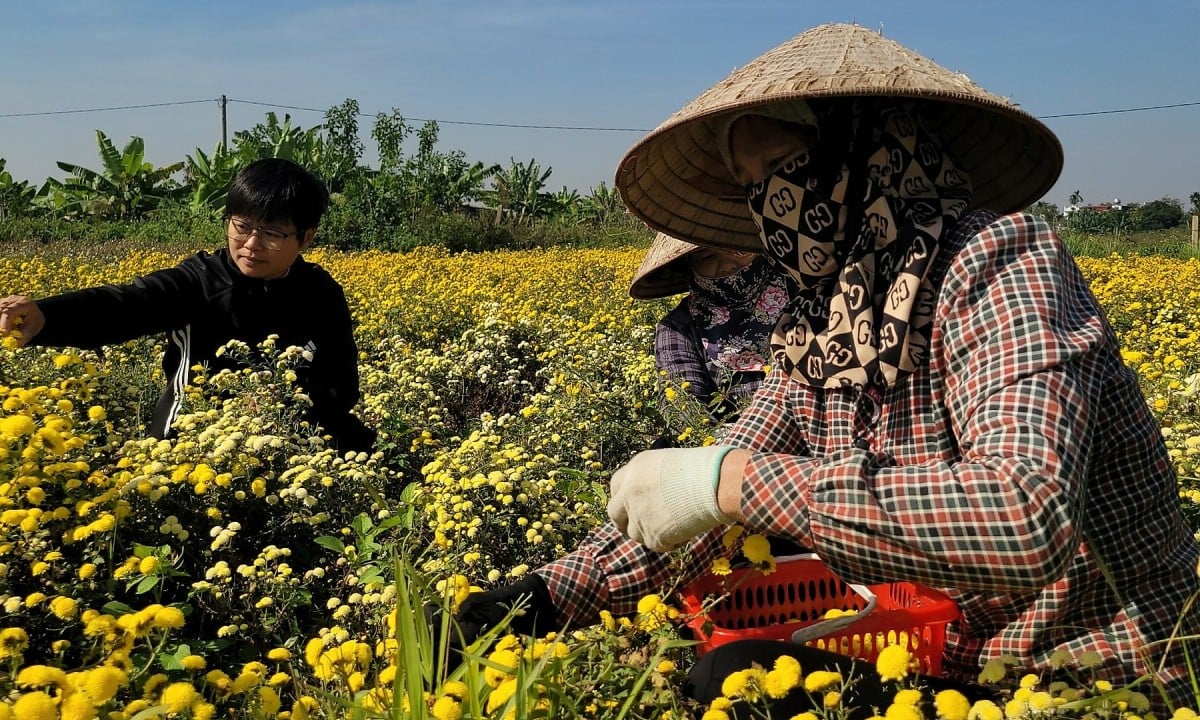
(204, 302)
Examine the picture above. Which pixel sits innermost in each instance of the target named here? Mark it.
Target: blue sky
(612, 64)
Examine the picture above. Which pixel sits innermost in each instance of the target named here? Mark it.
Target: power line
(458, 122)
(1140, 108)
(104, 109)
(1124, 110)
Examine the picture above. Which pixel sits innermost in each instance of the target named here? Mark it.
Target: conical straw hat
(675, 180)
(664, 271)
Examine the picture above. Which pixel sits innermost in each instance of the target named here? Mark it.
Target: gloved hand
(663, 498)
(481, 611)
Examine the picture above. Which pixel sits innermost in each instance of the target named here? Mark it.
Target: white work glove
(663, 498)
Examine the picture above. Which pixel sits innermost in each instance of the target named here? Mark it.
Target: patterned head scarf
(734, 315)
(856, 221)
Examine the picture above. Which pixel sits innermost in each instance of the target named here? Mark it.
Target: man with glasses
(256, 286)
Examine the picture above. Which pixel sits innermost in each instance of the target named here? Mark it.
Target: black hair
(274, 189)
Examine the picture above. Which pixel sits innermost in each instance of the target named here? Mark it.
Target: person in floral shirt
(715, 342)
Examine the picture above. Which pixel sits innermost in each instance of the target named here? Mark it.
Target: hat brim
(675, 180)
(664, 271)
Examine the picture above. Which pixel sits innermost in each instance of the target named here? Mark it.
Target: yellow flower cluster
(505, 386)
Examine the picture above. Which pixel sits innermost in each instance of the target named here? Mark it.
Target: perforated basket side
(800, 593)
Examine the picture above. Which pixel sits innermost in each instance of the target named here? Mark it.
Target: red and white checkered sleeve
(1022, 358)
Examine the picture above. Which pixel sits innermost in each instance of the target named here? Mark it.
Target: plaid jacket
(1015, 470)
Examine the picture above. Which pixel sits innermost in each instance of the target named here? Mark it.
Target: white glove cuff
(689, 484)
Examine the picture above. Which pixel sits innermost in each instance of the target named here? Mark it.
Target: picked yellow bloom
(735, 684)
(985, 710)
(757, 549)
(893, 662)
(994, 671)
(951, 705)
(903, 712)
(730, 536)
(721, 567)
(818, 680)
(783, 677)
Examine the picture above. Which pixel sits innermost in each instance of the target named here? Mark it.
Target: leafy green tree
(442, 181)
(16, 197)
(340, 149)
(125, 189)
(1195, 198)
(389, 132)
(1075, 199)
(1161, 214)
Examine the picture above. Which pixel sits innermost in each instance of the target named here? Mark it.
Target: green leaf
(116, 607)
(146, 584)
(174, 660)
(331, 543)
(361, 524)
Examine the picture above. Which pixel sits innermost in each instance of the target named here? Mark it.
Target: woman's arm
(1020, 335)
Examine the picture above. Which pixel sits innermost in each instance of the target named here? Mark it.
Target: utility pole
(224, 104)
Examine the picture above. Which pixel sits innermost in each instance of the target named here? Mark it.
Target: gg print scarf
(856, 221)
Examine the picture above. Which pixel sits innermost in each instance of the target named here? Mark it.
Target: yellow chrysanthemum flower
(101, 683)
(897, 711)
(893, 662)
(446, 708)
(179, 697)
(818, 680)
(951, 705)
(985, 710)
(757, 549)
(35, 706)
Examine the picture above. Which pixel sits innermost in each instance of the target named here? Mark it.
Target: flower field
(243, 569)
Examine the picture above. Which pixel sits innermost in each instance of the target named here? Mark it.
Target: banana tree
(16, 197)
(208, 178)
(518, 189)
(275, 139)
(127, 187)
(604, 205)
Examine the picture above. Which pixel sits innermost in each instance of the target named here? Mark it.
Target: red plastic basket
(800, 592)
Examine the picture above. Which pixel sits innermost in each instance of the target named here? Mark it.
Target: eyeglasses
(240, 231)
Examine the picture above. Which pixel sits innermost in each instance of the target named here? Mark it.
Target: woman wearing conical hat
(716, 342)
(948, 404)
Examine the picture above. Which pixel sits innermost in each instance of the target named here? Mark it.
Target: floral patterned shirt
(1016, 469)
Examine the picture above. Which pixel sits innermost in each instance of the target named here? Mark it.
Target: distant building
(1116, 204)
